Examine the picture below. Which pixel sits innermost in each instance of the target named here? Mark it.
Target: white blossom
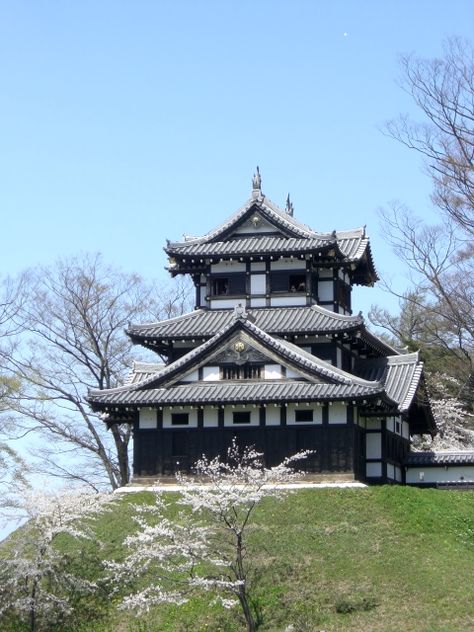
(453, 420)
(204, 548)
(34, 579)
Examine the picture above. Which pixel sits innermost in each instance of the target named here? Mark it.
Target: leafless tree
(74, 317)
(443, 90)
(13, 468)
(437, 313)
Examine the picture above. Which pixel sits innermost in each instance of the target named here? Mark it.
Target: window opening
(179, 419)
(229, 285)
(304, 415)
(220, 287)
(285, 282)
(241, 417)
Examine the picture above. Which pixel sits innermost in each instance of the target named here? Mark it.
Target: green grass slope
(381, 559)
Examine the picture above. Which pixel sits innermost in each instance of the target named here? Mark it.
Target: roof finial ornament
(289, 206)
(256, 184)
(240, 313)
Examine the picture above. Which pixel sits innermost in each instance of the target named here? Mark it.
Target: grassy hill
(381, 559)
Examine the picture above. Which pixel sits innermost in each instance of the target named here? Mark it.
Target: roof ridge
(189, 315)
(266, 204)
(404, 358)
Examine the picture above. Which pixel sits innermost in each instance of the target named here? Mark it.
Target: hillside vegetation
(381, 559)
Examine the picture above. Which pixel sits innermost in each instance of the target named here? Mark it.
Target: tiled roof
(308, 320)
(442, 457)
(400, 374)
(275, 215)
(142, 371)
(236, 392)
(315, 369)
(352, 248)
(279, 320)
(294, 238)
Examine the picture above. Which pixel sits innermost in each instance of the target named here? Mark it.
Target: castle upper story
(263, 257)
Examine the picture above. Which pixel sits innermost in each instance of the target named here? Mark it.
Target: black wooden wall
(164, 451)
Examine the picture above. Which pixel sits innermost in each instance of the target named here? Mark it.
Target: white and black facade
(273, 356)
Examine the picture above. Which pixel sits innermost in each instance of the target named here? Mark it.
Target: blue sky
(125, 123)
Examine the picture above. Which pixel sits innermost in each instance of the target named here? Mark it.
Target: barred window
(244, 372)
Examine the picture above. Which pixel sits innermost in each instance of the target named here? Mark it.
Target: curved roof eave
(301, 360)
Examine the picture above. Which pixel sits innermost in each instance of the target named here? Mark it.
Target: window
(244, 372)
(304, 415)
(179, 419)
(285, 282)
(241, 417)
(220, 287)
(232, 284)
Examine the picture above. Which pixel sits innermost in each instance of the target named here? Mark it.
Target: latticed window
(244, 372)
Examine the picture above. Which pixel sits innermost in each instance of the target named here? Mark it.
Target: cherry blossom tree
(35, 581)
(206, 547)
(453, 417)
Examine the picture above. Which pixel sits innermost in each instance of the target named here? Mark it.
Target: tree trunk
(243, 597)
(33, 606)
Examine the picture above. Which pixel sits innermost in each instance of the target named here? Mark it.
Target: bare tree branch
(74, 316)
(443, 90)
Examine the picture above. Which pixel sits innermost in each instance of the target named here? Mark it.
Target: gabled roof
(279, 320)
(311, 320)
(285, 237)
(276, 216)
(325, 381)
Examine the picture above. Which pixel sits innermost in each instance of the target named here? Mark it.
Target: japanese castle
(272, 355)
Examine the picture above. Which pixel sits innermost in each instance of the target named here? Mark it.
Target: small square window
(304, 415)
(241, 417)
(179, 419)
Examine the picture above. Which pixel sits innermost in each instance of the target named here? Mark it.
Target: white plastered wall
(228, 266)
(288, 264)
(287, 301)
(273, 416)
(440, 474)
(210, 373)
(211, 417)
(337, 413)
(147, 419)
